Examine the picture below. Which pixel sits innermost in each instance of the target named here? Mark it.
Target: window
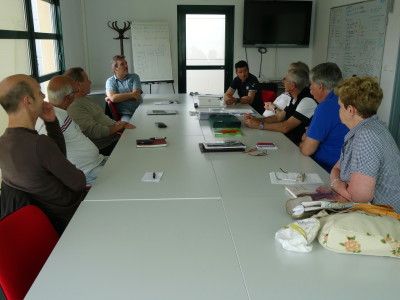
(205, 48)
(31, 39)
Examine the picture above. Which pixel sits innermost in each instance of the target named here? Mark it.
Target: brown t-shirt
(37, 165)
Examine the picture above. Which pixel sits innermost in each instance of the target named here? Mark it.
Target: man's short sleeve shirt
(327, 128)
(126, 85)
(250, 85)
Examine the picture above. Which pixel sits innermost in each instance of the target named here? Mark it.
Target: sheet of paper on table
(152, 176)
(294, 178)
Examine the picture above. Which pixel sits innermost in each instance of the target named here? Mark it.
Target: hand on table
(251, 121)
(230, 101)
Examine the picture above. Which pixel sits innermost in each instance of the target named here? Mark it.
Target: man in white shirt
(297, 115)
(80, 149)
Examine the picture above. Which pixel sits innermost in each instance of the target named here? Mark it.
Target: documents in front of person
(161, 112)
(299, 190)
(152, 176)
(294, 178)
(223, 146)
(167, 102)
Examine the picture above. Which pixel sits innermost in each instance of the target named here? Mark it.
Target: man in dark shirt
(37, 164)
(246, 84)
(297, 115)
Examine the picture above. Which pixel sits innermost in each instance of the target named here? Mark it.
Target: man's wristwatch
(261, 126)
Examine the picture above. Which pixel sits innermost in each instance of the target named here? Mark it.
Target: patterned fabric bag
(360, 232)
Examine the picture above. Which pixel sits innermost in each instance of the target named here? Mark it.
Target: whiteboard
(357, 37)
(151, 51)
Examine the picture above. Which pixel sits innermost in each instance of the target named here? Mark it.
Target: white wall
(101, 46)
(390, 53)
(74, 33)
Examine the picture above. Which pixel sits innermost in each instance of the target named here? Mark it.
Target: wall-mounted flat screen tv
(269, 23)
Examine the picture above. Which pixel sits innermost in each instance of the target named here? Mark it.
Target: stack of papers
(167, 102)
(225, 145)
(161, 112)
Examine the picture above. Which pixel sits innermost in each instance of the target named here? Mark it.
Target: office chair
(268, 91)
(27, 239)
(111, 110)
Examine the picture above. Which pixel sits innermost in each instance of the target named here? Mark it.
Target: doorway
(205, 48)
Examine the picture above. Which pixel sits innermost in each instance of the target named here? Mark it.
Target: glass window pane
(43, 87)
(12, 15)
(205, 40)
(205, 81)
(46, 55)
(42, 16)
(14, 58)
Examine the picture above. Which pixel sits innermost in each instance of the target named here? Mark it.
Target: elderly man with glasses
(80, 149)
(297, 115)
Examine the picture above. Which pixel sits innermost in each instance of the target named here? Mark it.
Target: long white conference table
(205, 231)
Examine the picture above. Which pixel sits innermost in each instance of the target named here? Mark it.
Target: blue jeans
(126, 118)
(93, 173)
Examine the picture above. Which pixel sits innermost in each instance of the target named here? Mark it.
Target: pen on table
(154, 175)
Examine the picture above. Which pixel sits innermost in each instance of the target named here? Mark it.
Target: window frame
(32, 36)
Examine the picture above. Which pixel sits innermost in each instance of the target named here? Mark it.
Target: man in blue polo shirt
(124, 89)
(325, 135)
(246, 85)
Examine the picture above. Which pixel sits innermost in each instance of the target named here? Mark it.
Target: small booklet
(266, 146)
(152, 142)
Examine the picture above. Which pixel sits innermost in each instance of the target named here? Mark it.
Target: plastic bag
(298, 236)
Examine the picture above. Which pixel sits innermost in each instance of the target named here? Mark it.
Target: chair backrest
(111, 110)
(27, 239)
(268, 91)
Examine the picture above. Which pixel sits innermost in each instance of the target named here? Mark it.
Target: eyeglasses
(285, 80)
(73, 92)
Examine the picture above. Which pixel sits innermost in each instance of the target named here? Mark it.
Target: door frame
(229, 12)
(394, 119)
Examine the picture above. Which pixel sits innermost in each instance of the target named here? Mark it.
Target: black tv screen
(276, 23)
